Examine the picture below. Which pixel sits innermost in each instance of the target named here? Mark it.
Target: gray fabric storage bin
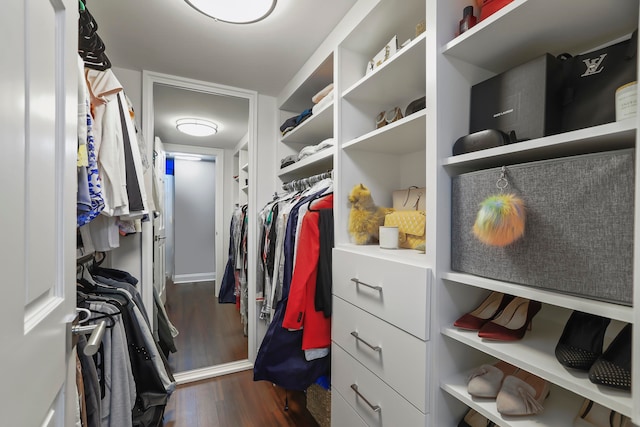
(579, 225)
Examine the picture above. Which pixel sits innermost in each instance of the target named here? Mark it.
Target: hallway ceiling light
(235, 11)
(196, 127)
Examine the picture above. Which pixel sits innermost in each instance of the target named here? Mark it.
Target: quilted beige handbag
(411, 227)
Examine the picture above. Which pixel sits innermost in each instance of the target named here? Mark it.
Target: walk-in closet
(345, 213)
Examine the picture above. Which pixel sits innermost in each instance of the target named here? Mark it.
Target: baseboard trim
(212, 371)
(194, 277)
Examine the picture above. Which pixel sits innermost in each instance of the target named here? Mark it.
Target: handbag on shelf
(409, 199)
(411, 227)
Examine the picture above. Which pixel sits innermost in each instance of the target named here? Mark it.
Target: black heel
(580, 344)
(613, 368)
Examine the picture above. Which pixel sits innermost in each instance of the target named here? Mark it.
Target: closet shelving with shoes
(519, 32)
(380, 295)
(310, 132)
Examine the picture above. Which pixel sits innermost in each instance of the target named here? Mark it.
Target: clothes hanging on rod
(134, 379)
(293, 354)
(234, 287)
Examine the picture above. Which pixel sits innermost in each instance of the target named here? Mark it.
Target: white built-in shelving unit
(403, 301)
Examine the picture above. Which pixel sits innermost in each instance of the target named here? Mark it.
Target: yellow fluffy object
(365, 217)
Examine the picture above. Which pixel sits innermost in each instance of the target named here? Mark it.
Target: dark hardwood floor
(210, 333)
(235, 400)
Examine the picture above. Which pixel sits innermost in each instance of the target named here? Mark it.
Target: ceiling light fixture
(236, 11)
(196, 127)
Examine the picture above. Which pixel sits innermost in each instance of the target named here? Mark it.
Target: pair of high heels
(388, 117)
(500, 317)
(517, 392)
(581, 347)
(595, 415)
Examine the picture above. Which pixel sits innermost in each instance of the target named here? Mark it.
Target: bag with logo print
(591, 81)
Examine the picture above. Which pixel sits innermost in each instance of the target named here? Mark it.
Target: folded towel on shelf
(320, 105)
(288, 160)
(292, 122)
(324, 92)
(312, 149)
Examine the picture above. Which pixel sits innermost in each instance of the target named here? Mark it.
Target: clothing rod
(300, 184)
(96, 331)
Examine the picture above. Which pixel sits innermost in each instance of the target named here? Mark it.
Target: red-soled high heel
(490, 307)
(512, 323)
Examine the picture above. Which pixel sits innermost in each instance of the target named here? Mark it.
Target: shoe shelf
(560, 407)
(399, 78)
(610, 136)
(535, 353)
(403, 136)
(613, 311)
(529, 28)
(314, 130)
(320, 162)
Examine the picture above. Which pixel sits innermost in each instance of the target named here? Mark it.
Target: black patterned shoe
(581, 342)
(613, 368)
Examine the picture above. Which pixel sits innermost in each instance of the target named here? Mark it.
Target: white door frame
(148, 80)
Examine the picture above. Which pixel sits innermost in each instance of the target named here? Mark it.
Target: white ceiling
(229, 113)
(171, 37)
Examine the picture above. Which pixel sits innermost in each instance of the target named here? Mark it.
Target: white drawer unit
(393, 291)
(343, 415)
(374, 400)
(398, 358)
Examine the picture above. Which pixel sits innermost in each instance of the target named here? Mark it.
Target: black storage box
(579, 225)
(525, 99)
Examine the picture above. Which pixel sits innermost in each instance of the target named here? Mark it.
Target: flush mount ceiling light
(235, 11)
(196, 127)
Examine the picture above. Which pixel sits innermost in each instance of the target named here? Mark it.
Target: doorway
(157, 87)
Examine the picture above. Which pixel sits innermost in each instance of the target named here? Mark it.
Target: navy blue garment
(228, 285)
(290, 237)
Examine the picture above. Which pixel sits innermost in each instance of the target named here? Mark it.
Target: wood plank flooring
(210, 333)
(235, 400)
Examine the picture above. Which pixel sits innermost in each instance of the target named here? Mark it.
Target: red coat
(301, 312)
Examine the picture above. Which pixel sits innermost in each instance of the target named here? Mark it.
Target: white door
(159, 232)
(37, 209)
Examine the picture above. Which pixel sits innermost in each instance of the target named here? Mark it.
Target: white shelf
(405, 256)
(314, 130)
(400, 137)
(560, 408)
(245, 167)
(399, 78)
(322, 161)
(525, 29)
(245, 188)
(610, 310)
(535, 353)
(610, 136)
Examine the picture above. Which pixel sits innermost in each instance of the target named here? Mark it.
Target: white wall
(195, 210)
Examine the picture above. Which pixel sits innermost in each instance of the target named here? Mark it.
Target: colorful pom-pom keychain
(500, 220)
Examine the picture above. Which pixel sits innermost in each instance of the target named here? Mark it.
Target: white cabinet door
(37, 208)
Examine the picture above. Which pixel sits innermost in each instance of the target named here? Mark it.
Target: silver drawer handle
(358, 282)
(357, 337)
(375, 408)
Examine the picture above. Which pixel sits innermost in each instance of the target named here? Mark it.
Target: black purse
(591, 81)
